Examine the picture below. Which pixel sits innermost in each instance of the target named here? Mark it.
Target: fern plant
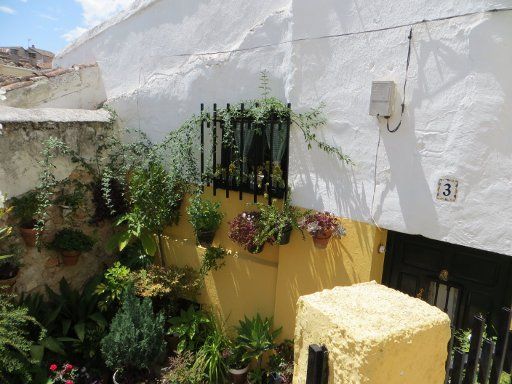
(16, 363)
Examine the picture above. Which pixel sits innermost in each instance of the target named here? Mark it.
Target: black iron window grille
(245, 156)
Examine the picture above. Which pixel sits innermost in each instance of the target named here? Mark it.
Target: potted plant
(244, 230)
(25, 209)
(276, 224)
(237, 365)
(255, 337)
(281, 364)
(9, 263)
(322, 226)
(205, 217)
(71, 243)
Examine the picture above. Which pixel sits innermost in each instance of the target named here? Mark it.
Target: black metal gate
(462, 281)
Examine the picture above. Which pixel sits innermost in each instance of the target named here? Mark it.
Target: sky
(52, 24)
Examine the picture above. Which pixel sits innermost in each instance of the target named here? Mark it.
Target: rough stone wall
(78, 87)
(457, 116)
(20, 150)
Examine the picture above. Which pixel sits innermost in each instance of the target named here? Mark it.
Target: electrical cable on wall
(391, 130)
(405, 85)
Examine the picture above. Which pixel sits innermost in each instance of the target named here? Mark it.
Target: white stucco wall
(458, 115)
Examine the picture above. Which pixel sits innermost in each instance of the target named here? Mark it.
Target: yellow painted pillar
(373, 334)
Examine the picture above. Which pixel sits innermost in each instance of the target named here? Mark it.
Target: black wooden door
(461, 281)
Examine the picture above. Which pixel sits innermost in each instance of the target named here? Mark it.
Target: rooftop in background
(32, 57)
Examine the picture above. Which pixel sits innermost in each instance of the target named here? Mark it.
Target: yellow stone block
(373, 334)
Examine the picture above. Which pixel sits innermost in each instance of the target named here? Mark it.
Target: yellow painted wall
(271, 282)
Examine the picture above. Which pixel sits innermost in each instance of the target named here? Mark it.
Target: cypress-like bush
(16, 364)
(136, 337)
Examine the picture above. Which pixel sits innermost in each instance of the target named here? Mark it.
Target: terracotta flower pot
(322, 239)
(70, 257)
(29, 236)
(205, 238)
(239, 376)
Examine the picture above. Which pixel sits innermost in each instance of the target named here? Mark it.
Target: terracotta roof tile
(20, 84)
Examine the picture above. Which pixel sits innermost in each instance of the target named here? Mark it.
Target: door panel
(459, 280)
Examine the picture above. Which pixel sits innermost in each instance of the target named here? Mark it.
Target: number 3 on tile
(447, 189)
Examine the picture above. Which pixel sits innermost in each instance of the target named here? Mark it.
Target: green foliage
(16, 363)
(134, 257)
(69, 239)
(274, 221)
(505, 378)
(256, 336)
(25, 208)
(261, 110)
(213, 260)
(204, 215)
(281, 362)
(182, 370)
(71, 318)
(192, 327)
(210, 357)
(116, 281)
(170, 283)
(73, 199)
(136, 337)
(5, 232)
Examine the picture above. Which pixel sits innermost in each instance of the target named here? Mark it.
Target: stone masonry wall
(22, 135)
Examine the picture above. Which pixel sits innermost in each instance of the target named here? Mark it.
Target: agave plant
(255, 337)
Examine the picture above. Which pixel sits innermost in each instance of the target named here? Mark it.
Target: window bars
(246, 155)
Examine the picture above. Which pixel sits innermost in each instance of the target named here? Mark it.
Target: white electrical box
(382, 98)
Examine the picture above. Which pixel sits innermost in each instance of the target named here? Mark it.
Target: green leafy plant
(192, 327)
(134, 257)
(281, 362)
(9, 263)
(72, 199)
(69, 239)
(170, 283)
(116, 280)
(71, 318)
(25, 209)
(256, 336)
(210, 357)
(213, 260)
(16, 363)
(204, 215)
(136, 337)
(182, 370)
(275, 222)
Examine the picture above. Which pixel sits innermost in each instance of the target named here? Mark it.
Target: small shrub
(25, 209)
(69, 239)
(204, 215)
(192, 327)
(169, 282)
(136, 337)
(116, 281)
(181, 370)
(15, 361)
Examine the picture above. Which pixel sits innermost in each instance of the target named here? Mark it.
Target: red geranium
(68, 368)
(53, 367)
